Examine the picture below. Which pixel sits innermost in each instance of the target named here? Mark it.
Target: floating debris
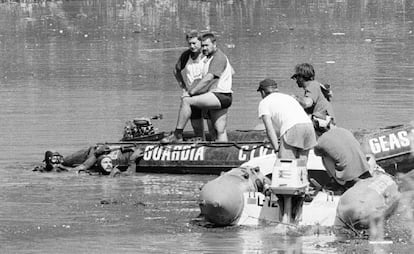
(338, 33)
(330, 62)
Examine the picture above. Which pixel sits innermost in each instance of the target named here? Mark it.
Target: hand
(185, 94)
(115, 172)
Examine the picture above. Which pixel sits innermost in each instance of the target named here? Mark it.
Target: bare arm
(178, 76)
(305, 102)
(270, 130)
(202, 86)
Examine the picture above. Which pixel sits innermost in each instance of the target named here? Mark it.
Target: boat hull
(390, 146)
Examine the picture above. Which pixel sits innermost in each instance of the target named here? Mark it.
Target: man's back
(341, 146)
(284, 110)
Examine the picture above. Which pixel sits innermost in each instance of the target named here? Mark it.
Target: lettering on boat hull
(249, 152)
(174, 153)
(197, 152)
(391, 143)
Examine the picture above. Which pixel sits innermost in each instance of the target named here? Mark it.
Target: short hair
(208, 36)
(193, 34)
(305, 70)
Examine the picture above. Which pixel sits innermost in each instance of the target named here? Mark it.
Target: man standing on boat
(189, 69)
(317, 96)
(285, 121)
(213, 92)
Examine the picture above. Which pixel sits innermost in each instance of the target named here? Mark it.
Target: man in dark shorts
(212, 92)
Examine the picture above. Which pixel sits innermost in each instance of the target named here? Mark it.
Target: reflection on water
(72, 72)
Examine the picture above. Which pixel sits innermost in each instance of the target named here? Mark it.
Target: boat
(245, 196)
(391, 147)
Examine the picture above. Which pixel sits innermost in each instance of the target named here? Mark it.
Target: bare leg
(206, 100)
(219, 119)
(184, 113)
(303, 154)
(286, 151)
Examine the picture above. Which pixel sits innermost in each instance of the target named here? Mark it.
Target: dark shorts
(197, 113)
(225, 99)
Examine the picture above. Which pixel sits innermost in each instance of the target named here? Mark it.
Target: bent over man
(285, 120)
(341, 153)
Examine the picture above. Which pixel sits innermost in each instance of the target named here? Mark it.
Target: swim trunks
(225, 99)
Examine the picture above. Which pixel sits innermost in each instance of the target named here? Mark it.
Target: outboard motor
(138, 127)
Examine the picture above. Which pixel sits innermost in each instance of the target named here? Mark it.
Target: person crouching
(341, 153)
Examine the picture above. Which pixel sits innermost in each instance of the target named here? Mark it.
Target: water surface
(72, 73)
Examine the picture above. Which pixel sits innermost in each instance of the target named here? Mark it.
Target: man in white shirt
(189, 70)
(285, 121)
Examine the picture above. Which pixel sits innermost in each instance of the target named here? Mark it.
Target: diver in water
(93, 160)
(51, 162)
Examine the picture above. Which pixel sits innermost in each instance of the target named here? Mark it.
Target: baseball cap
(266, 83)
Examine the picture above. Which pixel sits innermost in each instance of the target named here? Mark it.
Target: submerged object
(380, 196)
(222, 199)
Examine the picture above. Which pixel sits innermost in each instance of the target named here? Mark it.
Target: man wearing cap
(187, 71)
(314, 99)
(213, 92)
(286, 121)
(341, 153)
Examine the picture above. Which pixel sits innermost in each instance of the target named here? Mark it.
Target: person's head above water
(104, 164)
(52, 159)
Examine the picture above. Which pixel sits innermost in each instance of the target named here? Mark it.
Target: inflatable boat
(391, 146)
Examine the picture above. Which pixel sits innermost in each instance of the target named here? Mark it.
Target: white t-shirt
(193, 70)
(219, 66)
(284, 110)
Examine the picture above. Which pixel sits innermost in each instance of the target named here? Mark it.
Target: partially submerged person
(93, 160)
(341, 153)
(286, 122)
(103, 166)
(188, 71)
(213, 92)
(317, 96)
(51, 163)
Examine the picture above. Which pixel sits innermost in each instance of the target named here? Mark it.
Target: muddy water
(72, 72)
